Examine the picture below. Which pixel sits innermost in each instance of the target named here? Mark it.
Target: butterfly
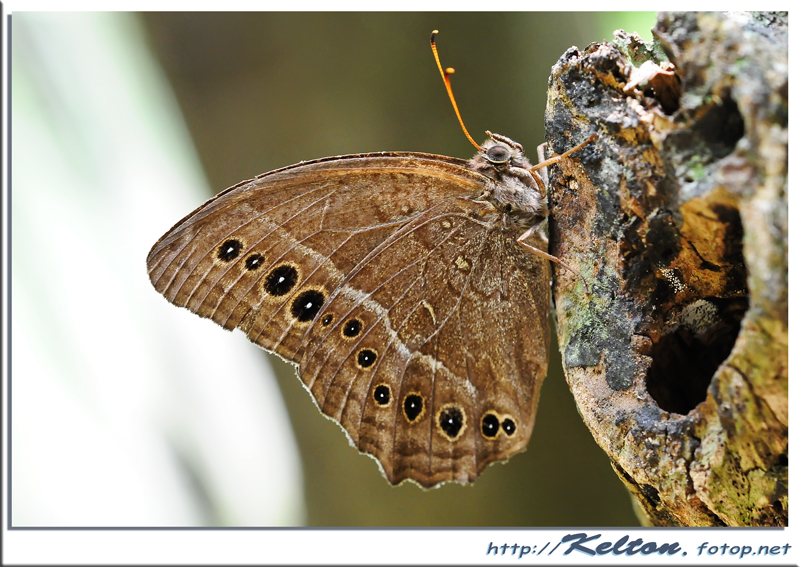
(410, 290)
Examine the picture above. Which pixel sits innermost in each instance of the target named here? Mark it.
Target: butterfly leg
(540, 177)
(558, 157)
(543, 254)
(540, 154)
(539, 171)
(481, 199)
(483, 196)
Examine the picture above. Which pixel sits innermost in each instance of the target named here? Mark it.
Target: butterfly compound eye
(498, 154)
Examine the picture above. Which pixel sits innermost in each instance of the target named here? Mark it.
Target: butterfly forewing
(244, 258)
(411, 313)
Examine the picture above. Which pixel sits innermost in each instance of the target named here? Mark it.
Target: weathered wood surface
(677, 217)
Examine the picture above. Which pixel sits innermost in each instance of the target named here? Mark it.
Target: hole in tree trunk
(710, 287)
(685, 360)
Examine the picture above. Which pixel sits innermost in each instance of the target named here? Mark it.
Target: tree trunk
(676, 216)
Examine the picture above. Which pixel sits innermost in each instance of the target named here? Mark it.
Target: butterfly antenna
(446, 77)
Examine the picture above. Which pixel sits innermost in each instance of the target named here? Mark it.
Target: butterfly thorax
(511, 188)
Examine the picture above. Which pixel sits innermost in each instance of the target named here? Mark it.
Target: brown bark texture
(676, 216)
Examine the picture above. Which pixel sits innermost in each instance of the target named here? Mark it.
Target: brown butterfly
(411, 291)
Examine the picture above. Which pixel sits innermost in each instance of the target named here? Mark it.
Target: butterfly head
(510, 188)
(501, 151)
(500, 157)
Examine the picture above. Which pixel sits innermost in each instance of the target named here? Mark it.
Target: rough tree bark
(676, 216)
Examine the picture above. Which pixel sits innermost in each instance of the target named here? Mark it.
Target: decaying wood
(677, 217)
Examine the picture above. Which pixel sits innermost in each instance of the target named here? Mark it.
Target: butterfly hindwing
(405, 362)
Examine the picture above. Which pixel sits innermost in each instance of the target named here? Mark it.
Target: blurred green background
(260, 91)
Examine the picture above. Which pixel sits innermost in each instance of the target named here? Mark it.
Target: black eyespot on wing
(367, 358)
(413, 406)
(498, 154)
(254, 261)
(326, 320)
(306, 305)
(490, 425)
(382, 394)
(281, 280)
(451, 421)
(229, 250)
(352, 328)
(509, 426)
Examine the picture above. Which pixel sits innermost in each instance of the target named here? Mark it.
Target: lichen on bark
(676, 215)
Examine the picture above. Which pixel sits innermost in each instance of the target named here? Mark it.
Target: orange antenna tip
(449, 71)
